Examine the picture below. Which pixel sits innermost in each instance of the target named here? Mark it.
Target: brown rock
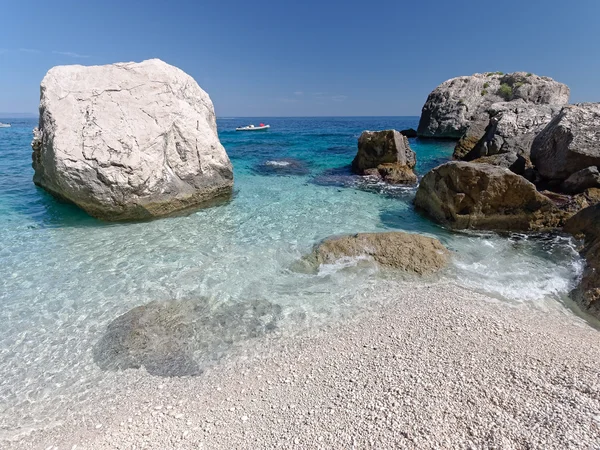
(397, 174)
(465, 195)
(388, 152)
(409, 252)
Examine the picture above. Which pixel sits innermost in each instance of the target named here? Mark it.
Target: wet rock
(582, 180)
(176, 338)
(282, 167)
(455, 104)
(569, 143)
(405, 251)
(465, 195)
(389, 152)
(129, 141)
(586, 224)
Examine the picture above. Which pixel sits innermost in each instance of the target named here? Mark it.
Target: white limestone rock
(129, 141)
(458, 103)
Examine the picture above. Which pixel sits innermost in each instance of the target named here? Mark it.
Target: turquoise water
(65, 276)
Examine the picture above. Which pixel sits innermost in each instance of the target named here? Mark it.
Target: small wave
(519, 267)
(278, 163)
(342, 263)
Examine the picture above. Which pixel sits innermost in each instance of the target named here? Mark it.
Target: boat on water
(261, 127)
(4, 125)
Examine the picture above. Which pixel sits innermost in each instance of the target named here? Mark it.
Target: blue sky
(278, 58)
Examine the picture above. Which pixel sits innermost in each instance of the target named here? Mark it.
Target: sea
(65, 277)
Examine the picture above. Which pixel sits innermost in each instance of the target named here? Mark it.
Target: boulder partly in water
(463, 195)
(386, 153)
(409, 252)
(129, 141)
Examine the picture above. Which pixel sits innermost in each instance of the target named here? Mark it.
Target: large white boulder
(129, 141)
(460, 103)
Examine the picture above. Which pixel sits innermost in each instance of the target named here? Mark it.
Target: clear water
(65, 276)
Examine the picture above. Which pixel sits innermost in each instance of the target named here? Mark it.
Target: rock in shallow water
(465, 195)
(387, 153)
(408, 252)
(176, 338)
(129, 141)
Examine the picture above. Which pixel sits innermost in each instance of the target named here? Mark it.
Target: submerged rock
(586, 223)
(408, 252)
(569, 143)
(174, 338)
(282, 167)
(465, 195)
(129, 141)
(456, 104)
(387, 152)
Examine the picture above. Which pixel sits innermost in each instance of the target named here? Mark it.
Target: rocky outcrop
(458, 103)
(586, 224)
(464, 195)
(129, 141)
(569, 143)
(511, 128)
(582, 180)
(180, 337)
(386, 154)
(405, 251)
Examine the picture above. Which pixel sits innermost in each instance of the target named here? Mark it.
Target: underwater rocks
(129, 141)
(405, 251)
(385, 154)
(464, 195)
(569, 143)
(458, 103)
(282, 167)
(178, 337)
(586, 223)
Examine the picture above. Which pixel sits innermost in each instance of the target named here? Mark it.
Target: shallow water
(65, 276)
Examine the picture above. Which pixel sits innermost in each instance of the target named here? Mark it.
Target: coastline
(426, 366)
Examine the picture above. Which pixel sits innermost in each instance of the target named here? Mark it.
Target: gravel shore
(426, 367)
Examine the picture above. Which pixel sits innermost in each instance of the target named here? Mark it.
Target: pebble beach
(427, 366)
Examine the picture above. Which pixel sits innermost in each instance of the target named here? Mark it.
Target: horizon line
(7, 114)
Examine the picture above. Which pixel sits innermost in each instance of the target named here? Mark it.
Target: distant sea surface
(65, 276)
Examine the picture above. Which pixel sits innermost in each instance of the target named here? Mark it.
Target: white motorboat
(261, 127)
(4, 125)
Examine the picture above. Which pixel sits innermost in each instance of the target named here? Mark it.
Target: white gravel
(428, 367)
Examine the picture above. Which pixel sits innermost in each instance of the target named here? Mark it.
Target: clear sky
(309, 57)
